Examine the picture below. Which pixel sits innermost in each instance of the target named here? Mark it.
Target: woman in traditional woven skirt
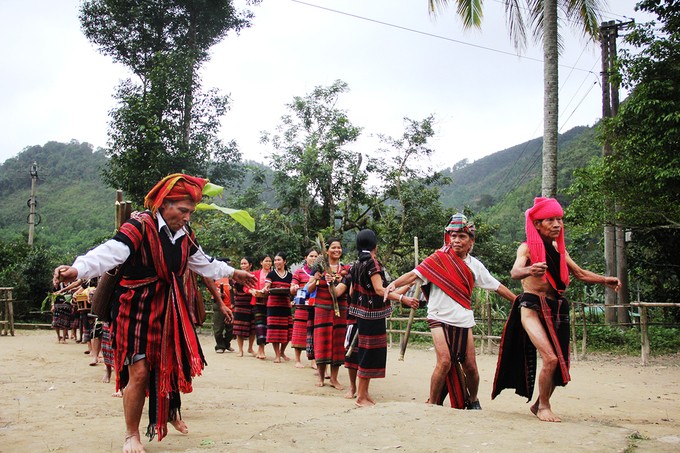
(260, 305)
(244, 324)
(61, 316)
(279, 319)
(301, 276)
(330, 327)
(369, 307)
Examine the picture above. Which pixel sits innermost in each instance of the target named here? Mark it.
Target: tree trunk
(550, 99)
(609, 230)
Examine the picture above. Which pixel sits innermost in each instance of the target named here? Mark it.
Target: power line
(431, 35)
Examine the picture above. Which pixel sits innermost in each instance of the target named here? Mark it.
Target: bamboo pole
(412, 314)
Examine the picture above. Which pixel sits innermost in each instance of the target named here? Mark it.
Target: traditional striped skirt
(371, 348)
(62, 316)
(299, 338)
(279, 320)
(455, 385)
(244, 325)
(310, 333)
(107, 344)
(260, 321)
(329, 335)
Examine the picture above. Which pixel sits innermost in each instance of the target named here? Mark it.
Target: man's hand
(410, 301)
(537, 269)
(228, 314)
(244, 278)
(613, 283)
(64, 274)
(391, 287)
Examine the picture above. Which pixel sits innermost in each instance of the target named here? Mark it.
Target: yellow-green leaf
(241, 216)
(212, 190)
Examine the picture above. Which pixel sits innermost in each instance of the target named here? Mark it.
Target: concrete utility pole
(615, 252)
(32, 203)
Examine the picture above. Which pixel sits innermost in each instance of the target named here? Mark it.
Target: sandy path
(53, 401)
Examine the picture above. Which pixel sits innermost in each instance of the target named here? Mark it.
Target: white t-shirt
(441, 307)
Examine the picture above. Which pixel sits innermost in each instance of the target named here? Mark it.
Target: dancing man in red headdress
(539, 318)
(156, 348)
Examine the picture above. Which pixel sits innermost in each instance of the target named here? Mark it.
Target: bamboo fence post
(644, 336)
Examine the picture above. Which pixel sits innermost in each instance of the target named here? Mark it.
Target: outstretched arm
(505, 293)
(587, 276)
(406, 279)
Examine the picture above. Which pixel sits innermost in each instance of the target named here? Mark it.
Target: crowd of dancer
(333, 311)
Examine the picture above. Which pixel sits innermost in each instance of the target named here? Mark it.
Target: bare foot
(251, 352)
(106, 379)
(319, 384)
(285, 357)
(261, 357)
(299, 365)
(351, 393)
(313, 365)
(180, 426)
(132, 444)
(95, 361)
(240, 354)
(277, 360)
(545, 414)
(118, 394)
(337, 385)
(364, 403)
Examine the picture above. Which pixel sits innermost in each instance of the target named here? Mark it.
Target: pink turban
(545, 208)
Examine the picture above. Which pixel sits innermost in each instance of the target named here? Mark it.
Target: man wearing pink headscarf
(539, 319)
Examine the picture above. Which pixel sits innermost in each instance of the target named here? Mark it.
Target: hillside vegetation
(75, 206)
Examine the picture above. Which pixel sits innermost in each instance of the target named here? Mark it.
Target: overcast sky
(56, 86)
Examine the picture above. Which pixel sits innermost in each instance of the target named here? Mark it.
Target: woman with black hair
(279, 319)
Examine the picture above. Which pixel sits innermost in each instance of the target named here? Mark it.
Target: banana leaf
(241, 216)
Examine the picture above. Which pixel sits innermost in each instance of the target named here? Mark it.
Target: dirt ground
(53, 401)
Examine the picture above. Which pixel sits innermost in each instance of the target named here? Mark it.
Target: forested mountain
(75, 206)
(502, 185)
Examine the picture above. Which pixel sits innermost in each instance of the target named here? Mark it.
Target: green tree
(314, 170)
(164, 122)
(542, 18)
(643, 172)
(407, 202)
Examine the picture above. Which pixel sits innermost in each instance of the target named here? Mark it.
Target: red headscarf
(544, 208)
(175, 187)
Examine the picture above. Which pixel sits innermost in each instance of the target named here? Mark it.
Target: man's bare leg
(133, 404)
(538, 336)
(442, 366)
(470, 368)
